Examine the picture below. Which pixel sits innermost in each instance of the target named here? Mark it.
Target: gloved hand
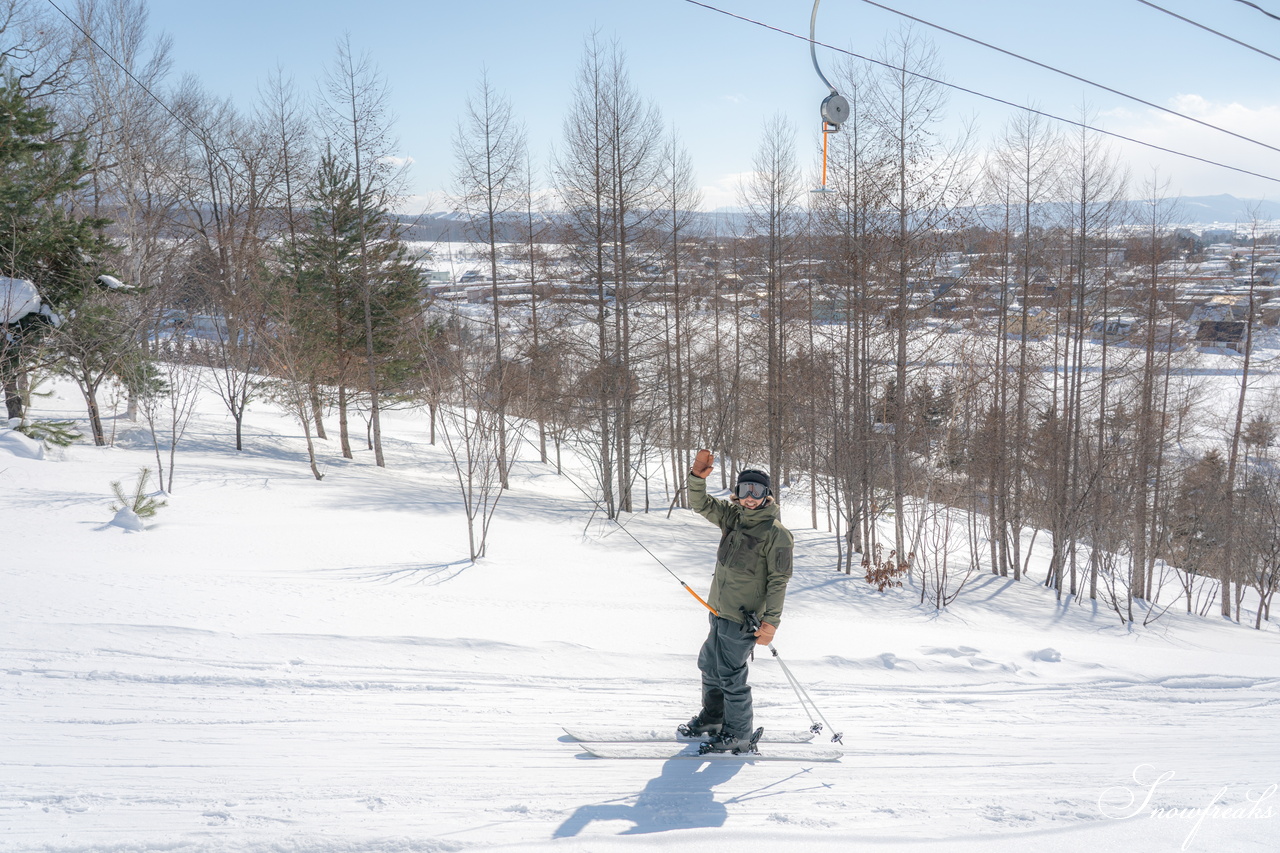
(764, 634)
(702, 464)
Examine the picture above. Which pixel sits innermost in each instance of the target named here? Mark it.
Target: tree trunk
(12, 398)
(344, 435)
(90, 389)
(317, 411)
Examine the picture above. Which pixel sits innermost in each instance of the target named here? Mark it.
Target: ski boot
(697, 727)
(729, 742)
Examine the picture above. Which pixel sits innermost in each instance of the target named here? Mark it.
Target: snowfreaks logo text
(1145, 798)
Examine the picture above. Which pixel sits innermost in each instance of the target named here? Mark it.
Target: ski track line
(351, 756)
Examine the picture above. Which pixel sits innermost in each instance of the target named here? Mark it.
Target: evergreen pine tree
(326, 272)
(41, 239)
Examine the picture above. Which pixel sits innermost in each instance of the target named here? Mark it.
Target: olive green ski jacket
(753, 562)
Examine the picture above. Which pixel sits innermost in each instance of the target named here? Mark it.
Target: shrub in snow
(884, 573)
(57, 433)
(139, 504)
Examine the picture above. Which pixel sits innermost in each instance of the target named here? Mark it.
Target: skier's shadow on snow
(681, 797)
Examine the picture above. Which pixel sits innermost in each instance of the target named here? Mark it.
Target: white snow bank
(18, 298)
(14, 443)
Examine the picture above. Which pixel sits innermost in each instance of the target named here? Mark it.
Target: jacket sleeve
(778, 568)
(712, 509)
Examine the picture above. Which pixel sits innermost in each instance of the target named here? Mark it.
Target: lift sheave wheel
(834, 109)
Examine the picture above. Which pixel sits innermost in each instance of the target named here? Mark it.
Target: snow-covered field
(280, 664)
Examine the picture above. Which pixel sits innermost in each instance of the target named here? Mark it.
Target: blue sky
(717, 80)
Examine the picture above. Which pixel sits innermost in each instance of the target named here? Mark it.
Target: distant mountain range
(1226, 210)
(1195, 212)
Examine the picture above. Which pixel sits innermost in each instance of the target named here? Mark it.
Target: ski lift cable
(993, 98)
(813, 49)
(1212, 30)
(196, 131)
(1260, 9)
(624, 529)
(1072, 76)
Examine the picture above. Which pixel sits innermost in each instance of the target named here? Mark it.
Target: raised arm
(712, 509)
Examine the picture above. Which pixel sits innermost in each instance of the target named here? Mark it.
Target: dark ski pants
(726, 696)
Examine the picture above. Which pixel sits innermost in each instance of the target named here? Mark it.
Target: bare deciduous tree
(927, 182)
(771, 196)
(470, 427)
(170, 401)
(490, 174)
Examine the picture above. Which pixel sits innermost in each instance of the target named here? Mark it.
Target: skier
(753, 566)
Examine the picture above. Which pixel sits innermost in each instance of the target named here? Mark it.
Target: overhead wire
(1260, 9)
(985, 96)
(624, 529)
(1069, 74)
(196, 131)
(1209, 29)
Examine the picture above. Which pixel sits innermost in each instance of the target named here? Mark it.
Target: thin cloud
(1261, 122)
(725, 191)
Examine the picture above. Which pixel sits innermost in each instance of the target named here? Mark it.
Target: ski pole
(803, 695)
(806, 701)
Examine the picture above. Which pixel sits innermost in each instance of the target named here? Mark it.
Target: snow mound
(1047, 655)
(128, 519)
(14, 443)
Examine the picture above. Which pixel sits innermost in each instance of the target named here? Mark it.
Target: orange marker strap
(700, 601)
(824, 155)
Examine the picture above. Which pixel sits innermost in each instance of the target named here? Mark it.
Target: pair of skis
(655, 744)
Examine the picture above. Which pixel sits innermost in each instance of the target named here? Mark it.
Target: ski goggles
(753, 490)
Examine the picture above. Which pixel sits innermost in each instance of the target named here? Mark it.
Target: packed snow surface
(280, 664)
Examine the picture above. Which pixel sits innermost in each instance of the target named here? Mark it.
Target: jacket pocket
(782, 561)
(744, 554)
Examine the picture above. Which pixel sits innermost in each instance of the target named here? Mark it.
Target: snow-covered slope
(280, 664)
